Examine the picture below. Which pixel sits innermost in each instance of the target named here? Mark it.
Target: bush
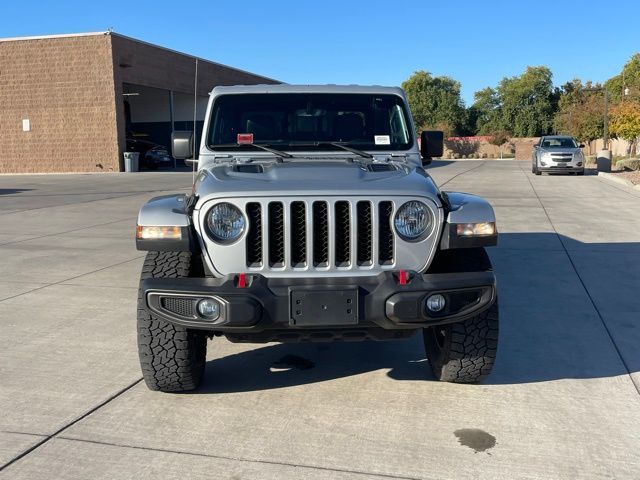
(484, 155)
(629, 164)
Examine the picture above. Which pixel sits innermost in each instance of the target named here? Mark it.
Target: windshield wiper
(257, 145)
(348, 149)
(333, 144)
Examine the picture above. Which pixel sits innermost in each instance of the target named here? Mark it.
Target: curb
(614, 178)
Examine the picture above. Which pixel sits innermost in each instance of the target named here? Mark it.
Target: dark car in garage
(152, 155)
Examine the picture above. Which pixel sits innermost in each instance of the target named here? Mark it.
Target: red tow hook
(403, 278)
(242, 280)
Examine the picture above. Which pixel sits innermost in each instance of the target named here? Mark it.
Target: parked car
(558, 154)
(312, 218)
(152, 155)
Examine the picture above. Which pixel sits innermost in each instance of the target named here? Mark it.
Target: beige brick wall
(64, 86)
(70, 89)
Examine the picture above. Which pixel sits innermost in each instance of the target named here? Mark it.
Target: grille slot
(298, 234)
(365, 240)
(276, 234)
(385, 233)
(185, 307)
(320, 234)
(254, 235)
(343, 233)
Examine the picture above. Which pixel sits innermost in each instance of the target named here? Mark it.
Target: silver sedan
(557, 154)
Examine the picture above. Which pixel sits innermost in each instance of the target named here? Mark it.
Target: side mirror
(581, 145)
(182, 144)
(431, 145)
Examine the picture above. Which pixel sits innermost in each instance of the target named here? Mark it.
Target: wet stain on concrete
(476, 439)
(293, 361)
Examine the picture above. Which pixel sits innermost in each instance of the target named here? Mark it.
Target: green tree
(522, 105)
(435, 102)
(487, 111)
(527, 102)
(629, 77)
(580, 111)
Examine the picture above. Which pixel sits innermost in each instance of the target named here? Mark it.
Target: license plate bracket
(324, 307)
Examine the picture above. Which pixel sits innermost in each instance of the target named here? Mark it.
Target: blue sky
(477, 42)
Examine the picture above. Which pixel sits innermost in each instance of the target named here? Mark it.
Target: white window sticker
(26, 125)
(382, 139)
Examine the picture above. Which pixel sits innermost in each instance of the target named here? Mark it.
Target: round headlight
(225, 222)
(412, 220)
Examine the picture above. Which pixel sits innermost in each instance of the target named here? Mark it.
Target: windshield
(559, 143)
(301, 121)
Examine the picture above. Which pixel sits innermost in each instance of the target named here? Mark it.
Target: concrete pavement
(563, 400)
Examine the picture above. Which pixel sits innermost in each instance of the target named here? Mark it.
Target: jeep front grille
(321, 235)
(335, 230)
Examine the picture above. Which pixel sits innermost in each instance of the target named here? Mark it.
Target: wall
(64, 86)
(617, 146)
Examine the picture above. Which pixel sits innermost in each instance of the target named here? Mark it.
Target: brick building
(69, 102)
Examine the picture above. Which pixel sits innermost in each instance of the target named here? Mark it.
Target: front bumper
(568, 168)
(262, 304)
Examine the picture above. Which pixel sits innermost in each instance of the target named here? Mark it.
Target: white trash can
(131, 161)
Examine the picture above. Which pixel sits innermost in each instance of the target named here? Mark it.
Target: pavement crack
(62, 282)
(70, 424)
(246, 460)
(88, 201)
(461, 173)
(65, 231)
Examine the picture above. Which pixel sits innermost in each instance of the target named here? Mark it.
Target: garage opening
(151, 114)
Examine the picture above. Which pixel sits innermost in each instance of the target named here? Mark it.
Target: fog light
(436, 302)
(209, 308)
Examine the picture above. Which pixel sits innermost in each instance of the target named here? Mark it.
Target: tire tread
(172, 358)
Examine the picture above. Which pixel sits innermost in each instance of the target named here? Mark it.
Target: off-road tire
(172, 358)
(463, 352)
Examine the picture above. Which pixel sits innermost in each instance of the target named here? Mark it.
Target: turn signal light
(156, 233)
(476, 229)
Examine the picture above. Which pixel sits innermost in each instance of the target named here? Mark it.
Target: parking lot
(563, 400)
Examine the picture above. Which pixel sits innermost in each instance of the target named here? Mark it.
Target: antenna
(195, 107)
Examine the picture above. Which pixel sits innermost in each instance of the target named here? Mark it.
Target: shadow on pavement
(438, 163)
(283, 365)
(550, 329)
(11, 191)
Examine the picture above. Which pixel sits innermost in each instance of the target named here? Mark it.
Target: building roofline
(191, 56)
(59, 35)
(89, 34)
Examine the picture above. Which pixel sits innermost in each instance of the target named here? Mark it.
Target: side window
(398, 127)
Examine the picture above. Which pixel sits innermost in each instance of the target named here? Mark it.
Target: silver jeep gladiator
(312, 218)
